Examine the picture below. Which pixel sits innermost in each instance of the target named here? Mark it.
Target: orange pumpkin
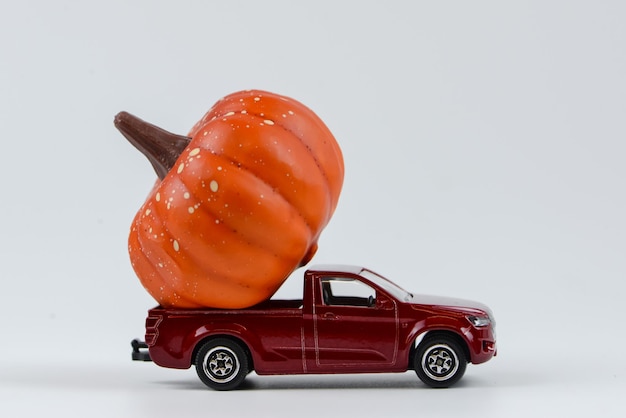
(239, 204)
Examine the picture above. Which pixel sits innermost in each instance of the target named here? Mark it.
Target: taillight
(152, 332)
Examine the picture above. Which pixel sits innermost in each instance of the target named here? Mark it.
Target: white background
(484, 144)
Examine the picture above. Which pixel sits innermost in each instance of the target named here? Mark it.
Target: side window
(340, 291)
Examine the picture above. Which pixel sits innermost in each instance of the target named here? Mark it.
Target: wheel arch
(433, 333)
(234, 338)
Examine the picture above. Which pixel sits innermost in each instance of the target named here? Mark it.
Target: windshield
(393, 289)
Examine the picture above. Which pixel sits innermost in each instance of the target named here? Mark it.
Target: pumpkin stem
(161, 147)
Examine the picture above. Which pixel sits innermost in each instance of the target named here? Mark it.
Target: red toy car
(351, 320)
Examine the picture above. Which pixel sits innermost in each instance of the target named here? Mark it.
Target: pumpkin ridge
(231, 283)
(208, 210)
(323, 172)
(157, 275)
(231, 280)
(171, 264)
(206, 257)
(245, 102)
(239, 165)
(327, 182)
(211, 210)
(234, 103)
(220, 164)
(307, 146)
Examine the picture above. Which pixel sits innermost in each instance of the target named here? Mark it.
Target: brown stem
(161, 147)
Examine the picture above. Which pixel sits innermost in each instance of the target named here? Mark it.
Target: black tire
(222, 364)
(440, 361)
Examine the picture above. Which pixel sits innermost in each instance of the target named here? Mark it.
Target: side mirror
(383, 302)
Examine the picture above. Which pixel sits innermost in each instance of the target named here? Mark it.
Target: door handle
(329, 315)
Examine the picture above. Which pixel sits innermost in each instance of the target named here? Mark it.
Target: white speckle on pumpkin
(268, 122)
(214, 186)
(243, 112)
(256, 99)
(161, 265)
(217, 221)
(158, 197)
(186, 195)
(229, 114)
(148, 212)
(191, 209)
(284, 116)
(219, 168)
(194, 151)
(176, 245)
(180, 168)
(290, 112)
(205, 133)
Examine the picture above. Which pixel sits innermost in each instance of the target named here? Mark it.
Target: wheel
(221, 364)
(440, 362)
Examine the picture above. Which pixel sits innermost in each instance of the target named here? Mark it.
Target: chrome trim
(220, 364)
(440, 362)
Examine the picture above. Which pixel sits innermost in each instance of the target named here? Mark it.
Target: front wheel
(221, 364)
(440, 362)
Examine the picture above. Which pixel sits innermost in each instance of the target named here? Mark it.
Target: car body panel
(324, 332)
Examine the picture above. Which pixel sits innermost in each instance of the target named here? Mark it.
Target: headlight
(479, 321)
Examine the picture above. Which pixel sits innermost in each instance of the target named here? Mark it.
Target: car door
(355, 326)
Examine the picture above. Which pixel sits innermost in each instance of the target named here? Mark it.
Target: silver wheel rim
(440, 362)
(220, 364)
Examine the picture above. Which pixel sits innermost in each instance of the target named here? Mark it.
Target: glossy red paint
(350, 320)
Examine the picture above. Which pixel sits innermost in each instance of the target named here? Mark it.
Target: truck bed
(273, 330)
(269, 305)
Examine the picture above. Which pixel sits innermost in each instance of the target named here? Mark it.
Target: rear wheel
(440, 361)
(221, 364)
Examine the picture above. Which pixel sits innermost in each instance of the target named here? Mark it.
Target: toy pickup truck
(351, 320)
